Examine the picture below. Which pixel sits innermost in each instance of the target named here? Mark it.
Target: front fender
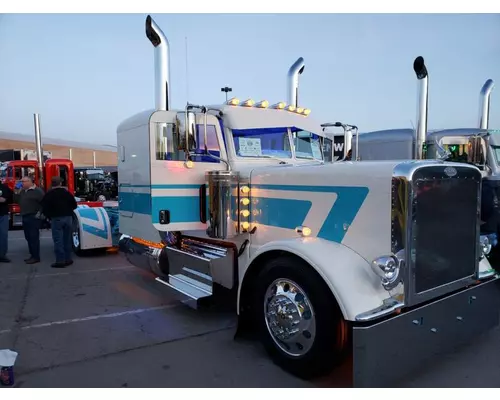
(94, 227)
(349, 276)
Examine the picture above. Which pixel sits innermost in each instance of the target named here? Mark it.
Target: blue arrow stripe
(341, 216)
(276, 212)
(91, 213)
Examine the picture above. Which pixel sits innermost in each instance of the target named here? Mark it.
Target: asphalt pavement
(104, 323)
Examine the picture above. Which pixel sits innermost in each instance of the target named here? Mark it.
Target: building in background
(82, 154)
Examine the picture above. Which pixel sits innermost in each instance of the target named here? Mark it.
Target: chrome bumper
(386, 351)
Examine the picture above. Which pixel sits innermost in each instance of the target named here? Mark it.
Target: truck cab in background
(473, 146)
(13, 172)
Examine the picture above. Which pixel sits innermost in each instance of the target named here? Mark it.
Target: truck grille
(444, 227)
(435, 223)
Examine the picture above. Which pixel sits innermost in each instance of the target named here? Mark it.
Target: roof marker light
(233, 102)
(280, 106)
(299, 110)
(262, 104)
(306, 111)
(248, 103)
(291, 107)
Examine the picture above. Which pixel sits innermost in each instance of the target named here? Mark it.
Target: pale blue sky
(85, 73)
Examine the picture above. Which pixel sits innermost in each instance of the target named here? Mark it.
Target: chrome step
(188, 290)
(202, 262)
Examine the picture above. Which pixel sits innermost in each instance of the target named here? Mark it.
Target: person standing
(58, 205)
(30, 199)
(6, 198)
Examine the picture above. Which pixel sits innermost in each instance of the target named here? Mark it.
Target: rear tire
(298, 319)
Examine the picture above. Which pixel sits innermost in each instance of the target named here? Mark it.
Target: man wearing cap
(58, 205)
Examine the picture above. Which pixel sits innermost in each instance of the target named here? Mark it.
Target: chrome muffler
(142, 256)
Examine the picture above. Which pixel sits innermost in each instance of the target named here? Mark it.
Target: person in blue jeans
(58, 205)
(5, 199)
(30, 199)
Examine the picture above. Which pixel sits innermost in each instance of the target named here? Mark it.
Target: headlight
(486, 245)
(388, 269)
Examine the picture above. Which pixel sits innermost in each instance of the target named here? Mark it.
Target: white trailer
(320, 259)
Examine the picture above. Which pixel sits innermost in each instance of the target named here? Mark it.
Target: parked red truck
(41, 172)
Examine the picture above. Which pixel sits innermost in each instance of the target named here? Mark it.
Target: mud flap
(385, 352)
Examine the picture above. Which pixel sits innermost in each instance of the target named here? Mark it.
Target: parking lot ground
(104, 323)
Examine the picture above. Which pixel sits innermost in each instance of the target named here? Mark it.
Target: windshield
(262, 142)
(96, 176)
(307, 145)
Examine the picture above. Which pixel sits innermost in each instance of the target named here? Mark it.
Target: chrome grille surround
(408, 177)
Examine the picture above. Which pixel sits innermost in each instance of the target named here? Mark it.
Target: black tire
(329, 342)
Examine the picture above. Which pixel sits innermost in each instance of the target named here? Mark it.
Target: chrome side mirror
(191, 131)
(186, 126)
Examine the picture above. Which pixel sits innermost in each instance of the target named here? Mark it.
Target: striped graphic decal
(286, 213)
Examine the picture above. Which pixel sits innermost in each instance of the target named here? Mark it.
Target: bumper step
(190, 269)
(188, 290)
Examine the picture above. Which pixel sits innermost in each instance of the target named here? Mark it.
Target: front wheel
(299, 322)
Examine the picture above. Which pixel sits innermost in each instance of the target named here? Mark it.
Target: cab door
(178, 192)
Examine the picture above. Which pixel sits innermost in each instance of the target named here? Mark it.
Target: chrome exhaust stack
(162, 64)
(295, 70)
(423, 103)
(39, 150)
(484, 104)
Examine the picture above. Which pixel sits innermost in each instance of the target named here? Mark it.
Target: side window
(63, 174)
(166, 139)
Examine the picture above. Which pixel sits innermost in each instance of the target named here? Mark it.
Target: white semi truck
(320, 259)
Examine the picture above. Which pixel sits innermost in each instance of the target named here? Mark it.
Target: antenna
(187, 76)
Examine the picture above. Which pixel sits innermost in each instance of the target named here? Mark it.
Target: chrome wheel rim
(290, 317)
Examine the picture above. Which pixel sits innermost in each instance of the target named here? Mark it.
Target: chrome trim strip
(389, 306)
(486, 274)
(404, 172)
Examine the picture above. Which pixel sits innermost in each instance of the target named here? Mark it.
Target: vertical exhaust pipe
(423, 103)
(162, 64)
(39, 152)
(93, 160)
(293, 81)
(71, 154)
(484, 104)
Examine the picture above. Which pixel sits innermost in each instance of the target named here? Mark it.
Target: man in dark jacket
(30, 199)
(5, 199)
(58, 205)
